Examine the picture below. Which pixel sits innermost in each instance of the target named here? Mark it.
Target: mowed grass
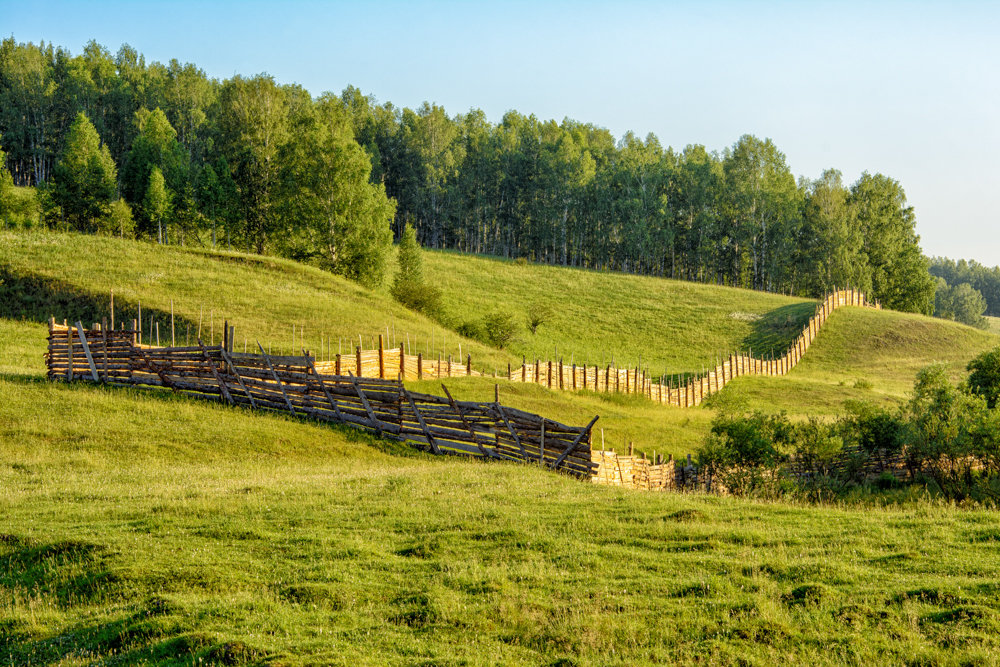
(139, 527)
(994, 324)
(670, 326)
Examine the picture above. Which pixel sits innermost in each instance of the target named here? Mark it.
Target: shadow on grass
(777, 329)
(27, 296)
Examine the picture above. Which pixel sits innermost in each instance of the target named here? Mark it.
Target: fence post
(381, 358)
(420, 365)
(69, 343)
(468, 365)
(357, 355)
(402, 362)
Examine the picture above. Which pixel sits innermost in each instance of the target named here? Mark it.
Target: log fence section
(299, 385)
(693, 390)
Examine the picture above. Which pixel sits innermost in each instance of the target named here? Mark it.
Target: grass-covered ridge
(864, 355)
(670, 325)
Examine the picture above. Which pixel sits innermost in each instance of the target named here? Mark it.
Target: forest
(111, 144)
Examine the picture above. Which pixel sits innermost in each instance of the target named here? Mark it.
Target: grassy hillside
(671, 325)
(668, 325)
(70, 275)
(139, 527)
(858, 355)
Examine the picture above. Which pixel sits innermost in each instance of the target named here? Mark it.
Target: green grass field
(141, 527)
(883, 350)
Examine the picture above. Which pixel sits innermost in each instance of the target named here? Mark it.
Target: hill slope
(138, 526)
(70, 275)
(670, 325)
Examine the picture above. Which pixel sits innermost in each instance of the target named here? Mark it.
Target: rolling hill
(142, 527)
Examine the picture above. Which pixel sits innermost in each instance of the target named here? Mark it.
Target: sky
(907, 89)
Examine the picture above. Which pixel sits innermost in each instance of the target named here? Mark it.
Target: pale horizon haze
(909, 90)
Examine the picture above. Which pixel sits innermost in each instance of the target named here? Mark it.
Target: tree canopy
(329, 180)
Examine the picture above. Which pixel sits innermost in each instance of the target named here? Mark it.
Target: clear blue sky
(907, 89)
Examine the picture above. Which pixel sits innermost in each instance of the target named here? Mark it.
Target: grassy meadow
(141, 527)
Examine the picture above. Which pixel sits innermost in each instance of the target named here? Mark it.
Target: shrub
(538, 314)
(408, 286)
(743, 451)
(420, 296)
(984, 376)
(817, 446)
(470, 329)
(878, 432)
(499, 329)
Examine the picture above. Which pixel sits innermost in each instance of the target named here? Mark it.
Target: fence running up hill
(690, 392)
(295, 385)
(393, 363)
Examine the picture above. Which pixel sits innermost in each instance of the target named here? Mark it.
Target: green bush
(499, 329)
(408, 286)
(537, 315)
(984, 376)
(742, 451)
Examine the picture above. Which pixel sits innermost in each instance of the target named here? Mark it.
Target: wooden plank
(275, 376)
(423, 425)
(513, 433)
(326, 392)
(573, 445)
(236, 374)
(218, 378)
(104, 334)
(461, 414)
(368, 408)
(86, 351)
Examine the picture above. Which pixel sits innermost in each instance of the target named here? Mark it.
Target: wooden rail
(298, 385)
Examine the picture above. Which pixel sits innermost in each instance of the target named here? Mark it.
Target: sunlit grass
(138, 526)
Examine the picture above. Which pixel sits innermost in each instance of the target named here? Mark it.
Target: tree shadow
(28, 296)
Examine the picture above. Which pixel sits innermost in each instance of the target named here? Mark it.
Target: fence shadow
(777, 329)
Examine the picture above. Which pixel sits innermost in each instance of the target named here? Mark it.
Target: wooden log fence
(302, 387)
(689, 391)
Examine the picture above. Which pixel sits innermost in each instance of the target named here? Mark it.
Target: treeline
(966, 290)
(161, 151)
(568, 193)
(268, 168)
